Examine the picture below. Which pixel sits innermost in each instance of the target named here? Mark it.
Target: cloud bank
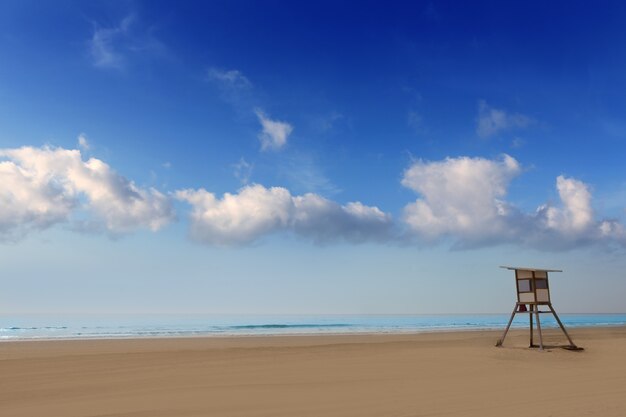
(40, 187)
(464, 199)
(256, 211)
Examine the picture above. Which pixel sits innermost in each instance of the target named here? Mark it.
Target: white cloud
(492, 121)
(460, 196)
(573, 223)
(460, 199)
(237, 218)
(576, 215)
(256, 211)
(43, 186)
(324, 220)
(83, 143)
(274, 134)
(463, 199)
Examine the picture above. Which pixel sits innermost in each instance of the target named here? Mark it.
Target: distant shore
(438, 373)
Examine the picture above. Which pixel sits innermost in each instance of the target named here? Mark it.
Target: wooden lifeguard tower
(533, 291)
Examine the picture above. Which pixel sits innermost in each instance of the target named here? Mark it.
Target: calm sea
(130, 326)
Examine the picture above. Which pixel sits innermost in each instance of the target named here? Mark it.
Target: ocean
(33, 327)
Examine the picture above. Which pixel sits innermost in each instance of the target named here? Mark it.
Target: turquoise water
(28, 327)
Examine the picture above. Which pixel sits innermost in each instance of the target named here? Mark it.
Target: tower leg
(536, 307)
(561, 326)
(531, 330)
(499, 342)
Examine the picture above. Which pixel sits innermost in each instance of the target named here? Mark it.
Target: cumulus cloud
(256, 211)
(324, 220)
(492, 121)
(40, 187)
(464, 199)
(461, 196)
(576, 214)
(274, 133)
(573, 221)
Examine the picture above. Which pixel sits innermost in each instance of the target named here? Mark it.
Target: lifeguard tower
(533, 291)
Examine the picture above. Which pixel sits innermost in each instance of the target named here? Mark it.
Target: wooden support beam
(531, 330)
(501, 341)
(571, 343)
(539, 327)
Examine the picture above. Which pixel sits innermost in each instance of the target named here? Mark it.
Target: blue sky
(283, 157)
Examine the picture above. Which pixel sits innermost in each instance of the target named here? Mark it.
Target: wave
(69, 327)
(34, 328)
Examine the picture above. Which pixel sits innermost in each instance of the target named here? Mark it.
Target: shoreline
(303, 334)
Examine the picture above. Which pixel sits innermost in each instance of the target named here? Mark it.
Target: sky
(310, 157)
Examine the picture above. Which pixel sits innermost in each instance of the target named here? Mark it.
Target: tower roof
(522, 268)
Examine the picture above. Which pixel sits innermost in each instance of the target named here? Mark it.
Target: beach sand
(436, 374)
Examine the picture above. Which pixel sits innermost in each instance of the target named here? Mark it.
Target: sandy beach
(436, 374)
